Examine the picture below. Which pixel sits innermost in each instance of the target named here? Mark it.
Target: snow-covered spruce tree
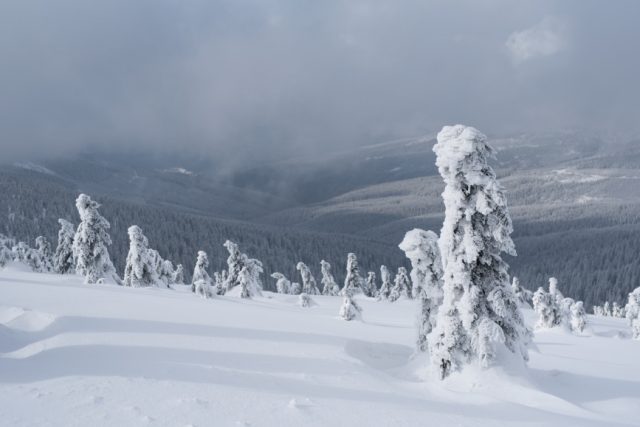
(178, 275)
(305, 301)
(544, 304)
(245, 283)
(479, 313)
(309, 286)
(606, 308)
(200, 272)
(329, 285)
(421, 247)
(385, 287)
(235, 263)
(565, 309)
(578, 319)
(597, 310)
(283, 285)
(140, 270)
(353, 280)
(63, 262)
(90, 243)
(349, 310)
(401, 285)
(371, 289)
(632, 310)
(44, 255)
(255, 269)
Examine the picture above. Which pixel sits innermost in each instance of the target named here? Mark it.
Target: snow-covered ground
(93, 355)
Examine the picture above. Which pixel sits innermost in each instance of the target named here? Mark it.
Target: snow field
(103, 355)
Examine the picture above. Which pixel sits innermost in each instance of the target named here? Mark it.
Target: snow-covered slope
(79, 355)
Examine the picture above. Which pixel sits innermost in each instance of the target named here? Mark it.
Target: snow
(105, 355)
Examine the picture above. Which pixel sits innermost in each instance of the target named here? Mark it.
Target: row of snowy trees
(610, 310)
(555, 310)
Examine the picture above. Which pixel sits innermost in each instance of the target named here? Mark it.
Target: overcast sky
(247, 78)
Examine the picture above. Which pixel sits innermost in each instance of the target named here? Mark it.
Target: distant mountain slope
(32, 202)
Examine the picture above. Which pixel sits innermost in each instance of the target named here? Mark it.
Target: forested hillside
(32, 202)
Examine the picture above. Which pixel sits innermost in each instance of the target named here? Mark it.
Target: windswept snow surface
(103, 355)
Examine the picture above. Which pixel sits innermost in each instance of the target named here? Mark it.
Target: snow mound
(22, 319)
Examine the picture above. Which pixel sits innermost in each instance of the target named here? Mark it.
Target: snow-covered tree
(219, 282)
(167, 273)
(479, 312)
(24, 254)
(90, 243)
(305, 301)
(178, 275)
(296, 288)
(200, 272)
(140, 270)
(349, 310)
(254, 270)
(606, 308)
(371, 289)
(245, 283)
(544, 304)
(421, 247)
(385, 287)
(63, 262)
(329, 285)
(401, 285)
(6, 256)
(44, 255)
(309, 286)
(632, 310)
(598, 311)
(283, 285)
(353, 280)
(235, 263)
(578, 319)
(618, 310)
(565, 308)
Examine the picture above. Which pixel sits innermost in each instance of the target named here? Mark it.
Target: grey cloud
(242, 80)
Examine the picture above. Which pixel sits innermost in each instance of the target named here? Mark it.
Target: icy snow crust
(104, 355)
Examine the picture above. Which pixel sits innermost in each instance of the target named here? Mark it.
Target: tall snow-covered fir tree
(385, 287)
(140, 270)
(90, 243)
(421, 247)
(479, 314)
(254, 269)
(235, 264)
(329, 285)
(283, 285)
(309, 285)
(401, 285)
(200, 271)
(353, 280)
(63, 262)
